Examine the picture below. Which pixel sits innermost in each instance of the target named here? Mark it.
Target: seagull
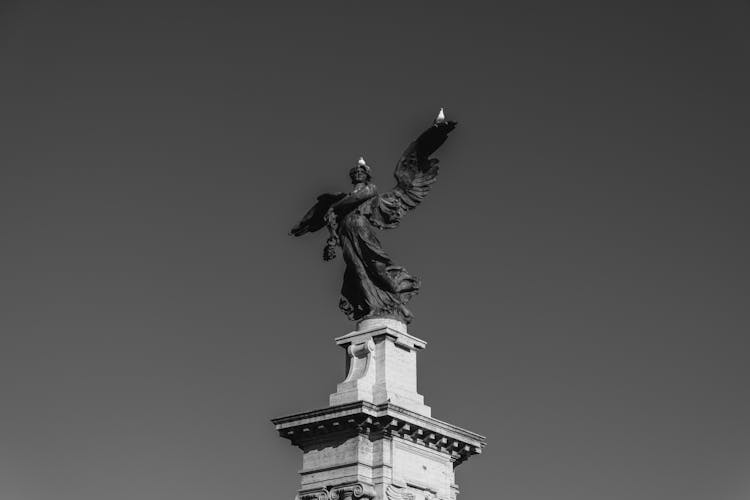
(440, 117)
(361, 162)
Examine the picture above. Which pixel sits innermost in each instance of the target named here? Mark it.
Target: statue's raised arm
(374, 286)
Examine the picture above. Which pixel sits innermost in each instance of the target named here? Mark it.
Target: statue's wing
(415, 172)
(314, 219)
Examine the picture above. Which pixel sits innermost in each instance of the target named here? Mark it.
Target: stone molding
(393, 492)
(348, 491)
(316, 494)
(309, 429)
(400, 337)
(353, 490)
(376, 323)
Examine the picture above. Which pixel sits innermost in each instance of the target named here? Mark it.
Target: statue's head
(360, 172)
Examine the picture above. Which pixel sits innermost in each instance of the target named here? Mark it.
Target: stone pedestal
(381, 366)
(377, 439)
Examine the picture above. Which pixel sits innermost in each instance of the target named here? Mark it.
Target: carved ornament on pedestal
(351, 491)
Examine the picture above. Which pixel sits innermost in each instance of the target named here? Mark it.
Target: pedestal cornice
(400, 336)
(308, 428)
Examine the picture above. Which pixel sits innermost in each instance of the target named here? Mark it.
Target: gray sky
(583, 255)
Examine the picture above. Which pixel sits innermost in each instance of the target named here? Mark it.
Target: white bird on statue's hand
(440, 117)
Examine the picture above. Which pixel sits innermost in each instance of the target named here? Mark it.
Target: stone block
(381, 366)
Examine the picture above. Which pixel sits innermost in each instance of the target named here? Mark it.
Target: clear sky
(583, 254)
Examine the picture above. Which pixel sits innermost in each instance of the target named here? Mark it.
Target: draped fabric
(373, 284)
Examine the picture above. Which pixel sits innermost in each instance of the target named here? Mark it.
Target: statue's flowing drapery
(373, 284)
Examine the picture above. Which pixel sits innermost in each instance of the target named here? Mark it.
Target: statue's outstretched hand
(330, 218)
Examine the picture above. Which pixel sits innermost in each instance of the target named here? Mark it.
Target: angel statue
(374, 286)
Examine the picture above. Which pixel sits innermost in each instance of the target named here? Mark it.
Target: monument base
(378, 440)
(381, 366)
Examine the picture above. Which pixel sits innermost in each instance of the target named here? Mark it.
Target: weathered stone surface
(380, 446)
(381, 366)
(378, 440)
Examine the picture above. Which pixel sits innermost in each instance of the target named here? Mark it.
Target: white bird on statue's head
(361, 162)
(440, 117)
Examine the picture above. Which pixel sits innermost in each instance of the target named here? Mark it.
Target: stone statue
(374, 286)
